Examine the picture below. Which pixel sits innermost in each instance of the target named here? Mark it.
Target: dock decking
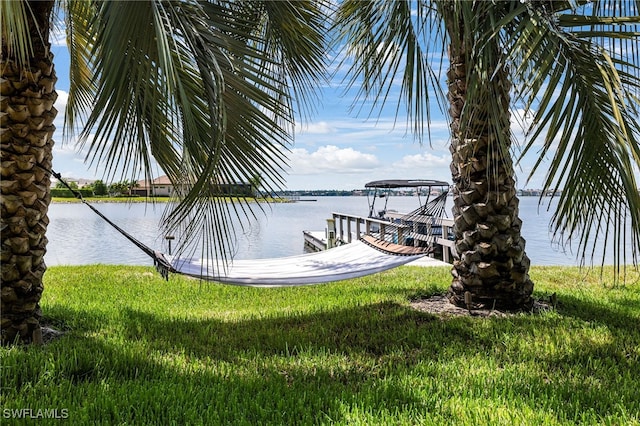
(344, 228)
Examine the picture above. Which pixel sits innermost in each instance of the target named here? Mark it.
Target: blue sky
(335, 149)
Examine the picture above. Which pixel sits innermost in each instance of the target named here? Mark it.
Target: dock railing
(348, 227)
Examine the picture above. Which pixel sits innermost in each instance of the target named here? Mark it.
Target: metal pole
(169, 238)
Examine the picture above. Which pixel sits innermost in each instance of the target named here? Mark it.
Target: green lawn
(140, 350)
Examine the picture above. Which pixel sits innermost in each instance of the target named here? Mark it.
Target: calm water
(78, 236)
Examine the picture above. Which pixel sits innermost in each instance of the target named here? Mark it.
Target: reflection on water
(78, 236)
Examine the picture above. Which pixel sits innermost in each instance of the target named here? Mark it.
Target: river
(78, 236)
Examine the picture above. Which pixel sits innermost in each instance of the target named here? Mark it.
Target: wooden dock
(344, 228)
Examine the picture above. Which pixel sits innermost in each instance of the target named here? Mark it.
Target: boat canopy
(405, 183)
(385, 187)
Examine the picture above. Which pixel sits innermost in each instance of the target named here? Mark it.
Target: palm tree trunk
(28, 95)
(490, 267)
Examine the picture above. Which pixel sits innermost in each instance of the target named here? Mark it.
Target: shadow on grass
(248, 368)
(615, 312)
(381, 343)
(371, 330)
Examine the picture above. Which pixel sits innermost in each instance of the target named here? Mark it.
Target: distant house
(84, 182)
(79, 183)
(162, 187)
(159, 187)
(71, 181)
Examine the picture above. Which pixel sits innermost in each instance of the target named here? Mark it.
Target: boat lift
(382, 190)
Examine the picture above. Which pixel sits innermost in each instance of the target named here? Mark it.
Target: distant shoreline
(286, 198)
(152, 200)
(96, 200)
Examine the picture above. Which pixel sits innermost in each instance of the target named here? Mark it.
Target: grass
(139, 350)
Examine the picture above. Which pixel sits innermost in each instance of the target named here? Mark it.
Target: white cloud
(60, 105)
(330, 159)
(61, 101)
(424, 165)
(61, 147)
(321, 127)
(521, 120)
(58, 36)
(366, 134)
(423, 161)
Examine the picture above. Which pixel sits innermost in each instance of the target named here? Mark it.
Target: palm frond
(385, 39)
(583, 85)
(16, 39)
(294, 38)
(190, 86)
(78, 17)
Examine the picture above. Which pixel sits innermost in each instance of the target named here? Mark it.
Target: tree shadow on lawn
(137, 388)
(249, 366)
(389, 339)
(614, 312)
(372, 330)
(375, 329)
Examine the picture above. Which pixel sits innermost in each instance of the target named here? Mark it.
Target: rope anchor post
(169, 238)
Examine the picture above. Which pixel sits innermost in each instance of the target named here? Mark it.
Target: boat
(427, 226)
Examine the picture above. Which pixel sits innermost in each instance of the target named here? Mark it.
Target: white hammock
(352, 260)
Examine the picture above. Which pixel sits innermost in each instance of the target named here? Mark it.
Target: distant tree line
(97, 188)
(322, 193)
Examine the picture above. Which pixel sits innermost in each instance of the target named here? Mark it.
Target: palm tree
(204, 90)
(255, 182)
(573, 66)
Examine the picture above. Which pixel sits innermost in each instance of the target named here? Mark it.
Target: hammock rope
(159, 261)
(366, 256)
